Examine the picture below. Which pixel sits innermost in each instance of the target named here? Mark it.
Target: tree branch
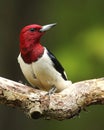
(64, 105)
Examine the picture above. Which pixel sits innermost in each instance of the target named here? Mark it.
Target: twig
(64, 105)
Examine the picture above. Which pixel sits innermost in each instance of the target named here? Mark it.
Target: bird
(39, 66)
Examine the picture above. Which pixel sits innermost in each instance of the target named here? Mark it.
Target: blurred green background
(77, 41)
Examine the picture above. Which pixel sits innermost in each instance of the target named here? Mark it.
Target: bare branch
(64, 105)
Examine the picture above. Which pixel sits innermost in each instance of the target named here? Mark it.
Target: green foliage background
(77, 41)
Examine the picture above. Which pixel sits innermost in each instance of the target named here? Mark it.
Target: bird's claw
(52, 90)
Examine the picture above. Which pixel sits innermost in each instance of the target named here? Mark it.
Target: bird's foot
(52, 90)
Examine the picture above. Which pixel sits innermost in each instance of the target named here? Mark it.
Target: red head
(30, 46)
(30, 33)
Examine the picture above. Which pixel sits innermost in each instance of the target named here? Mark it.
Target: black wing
(57, 65)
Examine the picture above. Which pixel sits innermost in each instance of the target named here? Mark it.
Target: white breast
(28, 72)
(42, 73)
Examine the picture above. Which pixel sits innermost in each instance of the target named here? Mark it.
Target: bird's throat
(32, 53)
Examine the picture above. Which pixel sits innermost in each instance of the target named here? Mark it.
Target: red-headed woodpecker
(39, 66)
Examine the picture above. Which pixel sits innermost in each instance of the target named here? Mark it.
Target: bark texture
(64, 105)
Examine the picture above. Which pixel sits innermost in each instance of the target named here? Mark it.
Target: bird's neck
(31, 52)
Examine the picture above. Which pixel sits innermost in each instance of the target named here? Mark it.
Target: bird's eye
(32, 29)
